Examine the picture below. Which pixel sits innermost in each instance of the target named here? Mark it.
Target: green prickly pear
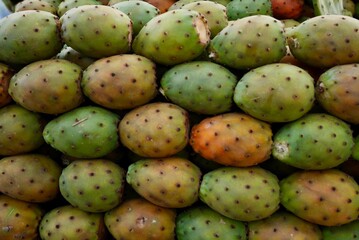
(249, 42)
(66, 5)
(167, 182)
(283, 225)
(314, 141)
(155, 130)
(200, 86)
(68, 222)
(325, 41)
(20, 131)
(244, 194)
(19, 219)
(355, 150)
(349, 231)
(237, 9)
(337, 91)
(327, 197)
(42, 5)
(29, 36)
(121, 81)
(277, 92)
(173, 37)
(203, 223)
(70, 54)
(39, 181)
(49, 86)
(84, 132)
(138, 218)
(97, 30)
(94, 185)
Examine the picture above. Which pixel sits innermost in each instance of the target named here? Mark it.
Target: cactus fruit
(140, 12)
(215, 13)
(200, 86)
(287, 9)
(337, 91)
(203, 223)
(19, 219)
(349, 231)
(283, 225)
(249, 42)
(42, 5)
(66, 5)
(244, 194)
(325, 197)
(94, 185)
(6, 73)
(20, 130)
(355, 150)
(277, 92)
(29, 36)
(84, 132)
(39, 181)
(68, 222)
(167, 182)
(70, 54)
(155, 130)
(97, 30)
(325, 41)
(315, 141)
(233, 139)
(237, 9)
(138, 218)
(49, 86)
(173, 37)
(120, 82)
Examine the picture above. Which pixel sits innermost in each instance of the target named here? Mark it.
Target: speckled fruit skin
(140, 219)
(155, 130)
(241, 193)
(6, 73)
(68, 222)
(167, 182)
(325, 197)
(348, 231)
(314, 141)
(94, 185)
(233, 139)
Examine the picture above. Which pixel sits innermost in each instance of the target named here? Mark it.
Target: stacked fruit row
(127, 120)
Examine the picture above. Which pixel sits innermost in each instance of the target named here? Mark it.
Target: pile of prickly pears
(179, 120)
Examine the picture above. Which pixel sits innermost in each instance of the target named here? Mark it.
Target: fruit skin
(349, 231)
(249, 42)
(241, 193)
(200, 86)
(138, 218)
(66, 5)
(120, 82)
(29, 36)
(94, 185)
(6, 72)
(275, 92)
(325, 197)
(140, 12)
(337, 91)
(21, 130)
(173, 37)
(315, 141)
(237, 9)
(355, 150)
(215, 13)
(281, 225)
(49, 86)
(19, 219)
(167, 182)
(68, 222)
(97, 30)
(70, 54)
(314, 43)
(39, 181)
(287, 9)
(233, 139)
(84, 132)
(155, 130)
(35, 5)
(203, 223)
